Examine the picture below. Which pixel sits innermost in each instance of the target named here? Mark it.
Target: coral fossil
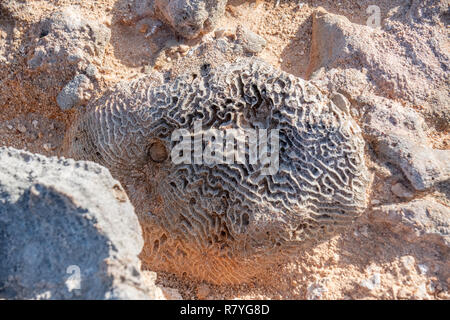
(225, 222)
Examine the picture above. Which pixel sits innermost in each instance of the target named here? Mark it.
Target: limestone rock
(401, 191)
(66, 43)
(188, 18)
(422, 165)
(385, 62)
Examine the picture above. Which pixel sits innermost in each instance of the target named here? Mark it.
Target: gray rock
(66, 44)
(74, 93)
(422, 165)
(68, 24)
(401, 191)
(420, 219)
(188, 18)
(92, 71)
(398, 135)
(250, 41)
(68, 231)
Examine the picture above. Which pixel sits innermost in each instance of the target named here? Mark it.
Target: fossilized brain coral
(225, 222)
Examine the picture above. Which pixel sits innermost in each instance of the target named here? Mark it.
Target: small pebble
(183, 48)
(250, 41)
(91, 71)
(34, 123)
(423, 268)
(203, 291)
(371, 283)
(341, 102)
(408, 262)
(21, 128)
(47, 147)
(401, 191)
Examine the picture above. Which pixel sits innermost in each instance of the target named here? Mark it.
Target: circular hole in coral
(157, 152)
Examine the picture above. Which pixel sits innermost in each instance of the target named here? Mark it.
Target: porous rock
(226, 222)
(66, 44)
(68, 231)
(422, 165)
(74, 93)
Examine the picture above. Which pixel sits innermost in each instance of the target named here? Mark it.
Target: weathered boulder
(67, 37)
(67, 231)
(398, 135)
(358, 59)
(67, 44)
(188, 18)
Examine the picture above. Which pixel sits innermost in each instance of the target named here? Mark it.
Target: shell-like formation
(224, 222)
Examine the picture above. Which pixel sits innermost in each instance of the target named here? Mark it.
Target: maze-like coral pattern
(224, 222)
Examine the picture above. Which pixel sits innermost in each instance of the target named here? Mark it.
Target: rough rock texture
(203, 219)
(74, 93)
(188, 18)
(250, 41)
(359, 59)
(421, 219)
(66, 43)
(398, 135)
(60, 219)
(372, 259)
(16, 9)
